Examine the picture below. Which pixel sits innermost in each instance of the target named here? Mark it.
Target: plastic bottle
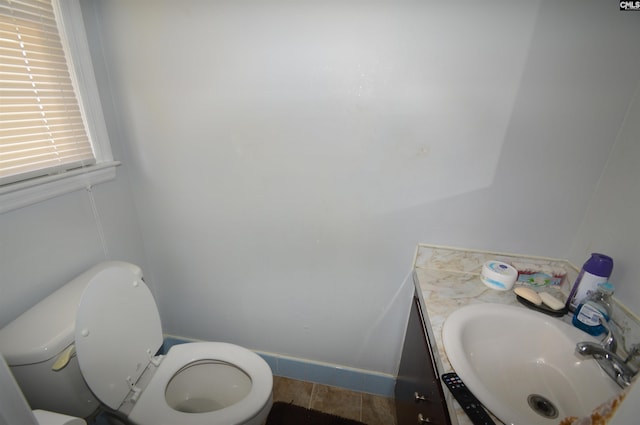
(597, 269)
(596, 306)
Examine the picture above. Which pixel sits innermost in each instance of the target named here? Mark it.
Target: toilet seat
(152, 407)
(117, 333)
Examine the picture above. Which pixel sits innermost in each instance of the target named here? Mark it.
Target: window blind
(41, 126)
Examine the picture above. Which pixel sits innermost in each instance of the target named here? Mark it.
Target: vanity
(445, 280)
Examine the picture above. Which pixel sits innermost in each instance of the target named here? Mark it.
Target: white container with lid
(498, 275)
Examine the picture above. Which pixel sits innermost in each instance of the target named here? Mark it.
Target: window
(52, 134)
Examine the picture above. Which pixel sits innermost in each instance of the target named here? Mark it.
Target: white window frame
(74, 39)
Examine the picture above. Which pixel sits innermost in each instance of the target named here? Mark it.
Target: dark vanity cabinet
(419, 396)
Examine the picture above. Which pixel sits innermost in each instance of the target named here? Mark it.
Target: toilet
(94, 342)
(14, 408)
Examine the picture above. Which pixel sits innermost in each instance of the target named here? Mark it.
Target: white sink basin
(522, 364)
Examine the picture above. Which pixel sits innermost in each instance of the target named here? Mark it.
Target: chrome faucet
(605, 354)
(611, 363)
(609, 342)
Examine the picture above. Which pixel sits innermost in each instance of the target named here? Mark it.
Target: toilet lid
(117, 330)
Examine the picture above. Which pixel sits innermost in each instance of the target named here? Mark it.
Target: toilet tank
(32, 343)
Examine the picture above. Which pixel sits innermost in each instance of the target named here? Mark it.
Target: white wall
(283, 159)
(610, 223)
(287, 157)
(45, 245)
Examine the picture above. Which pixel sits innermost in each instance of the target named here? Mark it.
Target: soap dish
(542, 308)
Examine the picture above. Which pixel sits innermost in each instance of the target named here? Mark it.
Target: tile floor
(367, 408)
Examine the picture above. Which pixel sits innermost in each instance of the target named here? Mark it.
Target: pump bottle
(596, 269)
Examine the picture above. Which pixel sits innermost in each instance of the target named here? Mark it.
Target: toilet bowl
(116, 333)
(190, 383)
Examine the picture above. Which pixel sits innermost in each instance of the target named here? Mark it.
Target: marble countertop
(449, 278)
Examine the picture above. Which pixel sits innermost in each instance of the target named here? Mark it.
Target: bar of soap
(551, 301)
(528, 294)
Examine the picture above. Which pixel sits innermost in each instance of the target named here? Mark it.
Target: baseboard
(321, 373)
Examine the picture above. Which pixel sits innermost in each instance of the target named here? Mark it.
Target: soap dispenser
(592, 309)
(597, 269)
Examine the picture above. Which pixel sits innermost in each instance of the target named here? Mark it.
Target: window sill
(21, 194)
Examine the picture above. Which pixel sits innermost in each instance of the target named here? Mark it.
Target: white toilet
(98, 336)
(14, 409)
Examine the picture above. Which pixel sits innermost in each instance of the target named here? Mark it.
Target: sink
(522, 365)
